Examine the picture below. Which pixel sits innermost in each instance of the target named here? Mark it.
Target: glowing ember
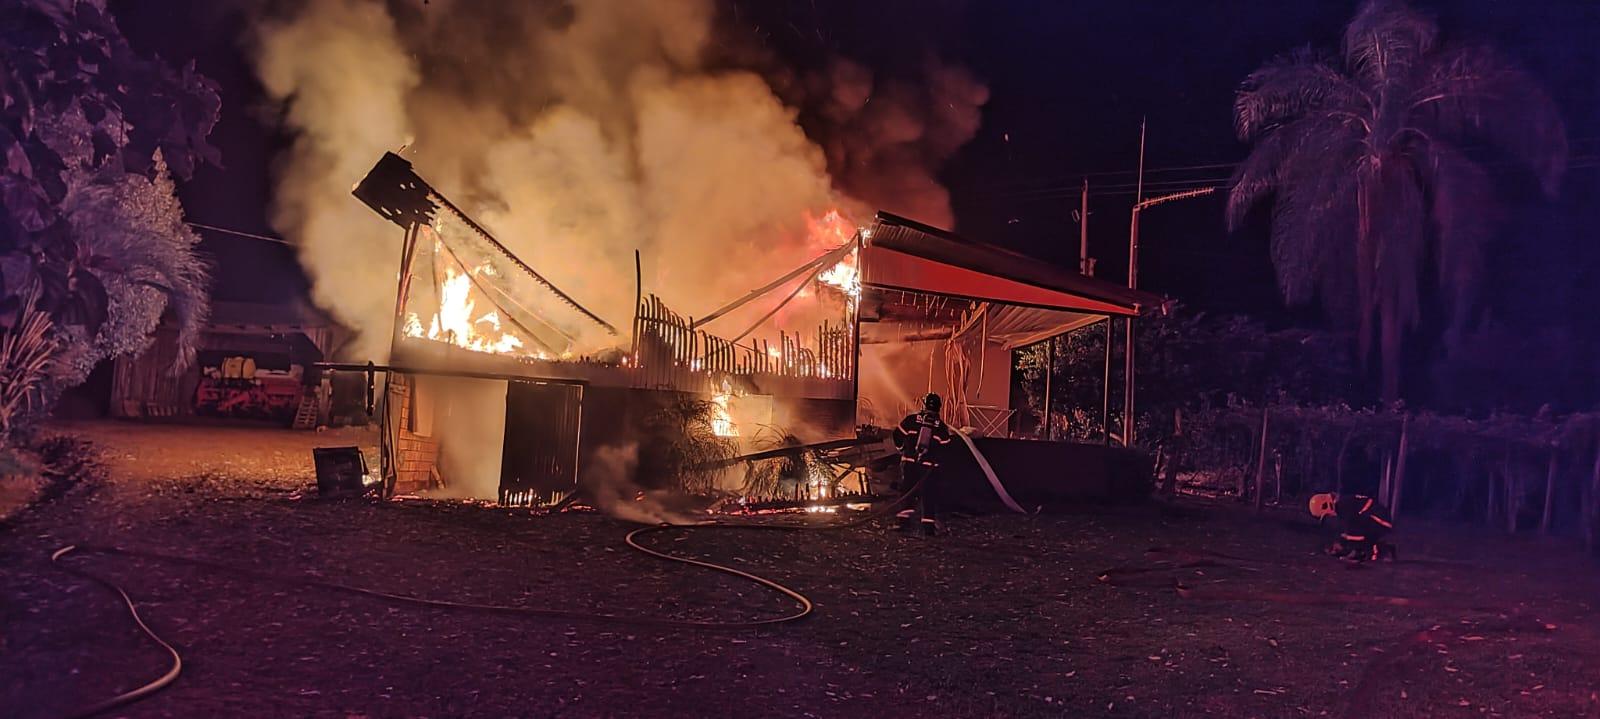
(456, 325)
(722, 423)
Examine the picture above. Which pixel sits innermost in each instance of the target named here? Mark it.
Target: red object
(261, 398)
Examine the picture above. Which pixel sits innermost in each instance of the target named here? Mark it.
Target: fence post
(1398, 481)
(1261, 462)
(1549, 493)
(1513, 503)
(1591, 507)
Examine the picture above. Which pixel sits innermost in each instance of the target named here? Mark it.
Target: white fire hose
(988, 471)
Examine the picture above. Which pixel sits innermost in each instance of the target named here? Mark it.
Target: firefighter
(921, 438)
(1364, 524)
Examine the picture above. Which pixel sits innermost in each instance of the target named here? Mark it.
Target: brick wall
(415, 454)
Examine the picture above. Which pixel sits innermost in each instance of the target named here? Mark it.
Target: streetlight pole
(1133, 282)
(1140, 206)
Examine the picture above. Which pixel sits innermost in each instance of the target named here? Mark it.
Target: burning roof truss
(461, 288)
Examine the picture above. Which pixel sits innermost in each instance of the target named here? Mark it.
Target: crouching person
(921, 438)
(1364, 524)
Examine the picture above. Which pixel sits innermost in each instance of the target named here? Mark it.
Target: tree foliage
(88, 134)
(1185, 361)
(1376, 163)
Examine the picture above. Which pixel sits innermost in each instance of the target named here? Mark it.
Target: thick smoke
(576, 133)
(579, 131)
(609, 479)
(886, 139)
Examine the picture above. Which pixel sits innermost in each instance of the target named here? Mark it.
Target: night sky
(1069, 84)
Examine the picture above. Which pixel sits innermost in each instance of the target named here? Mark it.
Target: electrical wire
(239, 233)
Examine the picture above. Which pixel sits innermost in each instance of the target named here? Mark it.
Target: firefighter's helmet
(1322, 505)
(931, 402)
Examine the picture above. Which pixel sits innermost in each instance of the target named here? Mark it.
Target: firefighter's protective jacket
(1364, 518)
(919, 438)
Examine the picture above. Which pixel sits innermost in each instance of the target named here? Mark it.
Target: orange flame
(827, 232)
(722, 423)
(455, 323)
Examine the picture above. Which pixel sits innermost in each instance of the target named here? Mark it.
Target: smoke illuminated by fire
(578, 137)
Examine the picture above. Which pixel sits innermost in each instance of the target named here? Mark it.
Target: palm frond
(27, 350)
(1314, 218)
(1464, 213)
(1387, 41)
(1475, 93)
(679, 446)
(1390, 247)
(1304, 147)
(1290, 86)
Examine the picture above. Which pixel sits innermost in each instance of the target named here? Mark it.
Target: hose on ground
(804, 603)
(127, 697)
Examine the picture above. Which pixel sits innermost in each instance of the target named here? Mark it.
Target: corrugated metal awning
(906, 255)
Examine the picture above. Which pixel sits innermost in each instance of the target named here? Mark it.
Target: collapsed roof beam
(398, 194)
(832, 256)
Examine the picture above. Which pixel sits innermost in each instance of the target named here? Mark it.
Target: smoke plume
(578, 132)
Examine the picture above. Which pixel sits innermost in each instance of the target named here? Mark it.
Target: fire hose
(988, 472)
(631, 539)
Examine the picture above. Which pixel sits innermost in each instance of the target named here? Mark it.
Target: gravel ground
(1006, 617)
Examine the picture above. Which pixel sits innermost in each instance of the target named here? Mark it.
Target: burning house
(488, 352)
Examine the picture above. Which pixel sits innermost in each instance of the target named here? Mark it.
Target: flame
(844, 277)
(722, 423)
(454, 323)
(828, 232)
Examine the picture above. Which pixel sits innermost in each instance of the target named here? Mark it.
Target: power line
(239, 233)
(1583, 162)
(1058, 180)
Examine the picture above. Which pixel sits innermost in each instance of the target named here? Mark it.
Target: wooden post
(1338, 463)
(1397, 482)
(1549, 493)
(1513, 502)
(1591, 507)
(1261, 462)
(1049, 398)
(1385, 479)
(1105, 396)
(1174, 455)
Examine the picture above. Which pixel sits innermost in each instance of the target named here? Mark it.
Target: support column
(1127, 386)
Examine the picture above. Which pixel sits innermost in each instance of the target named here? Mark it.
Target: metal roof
(905, 254)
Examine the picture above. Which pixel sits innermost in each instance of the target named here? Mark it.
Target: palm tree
(1377, 167)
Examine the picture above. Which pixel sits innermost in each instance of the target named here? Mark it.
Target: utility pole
(1133, 283)
(1085, 265)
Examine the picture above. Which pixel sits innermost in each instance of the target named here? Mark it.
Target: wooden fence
(668, 353)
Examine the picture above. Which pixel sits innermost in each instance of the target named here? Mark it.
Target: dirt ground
(1006, 617)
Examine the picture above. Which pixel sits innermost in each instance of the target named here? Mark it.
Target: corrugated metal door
(539, 462)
